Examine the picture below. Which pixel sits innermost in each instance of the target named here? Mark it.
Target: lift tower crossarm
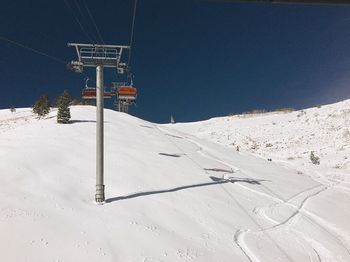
(92, 55)
(98, 45)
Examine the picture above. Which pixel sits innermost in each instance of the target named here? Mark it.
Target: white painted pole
(100, 187)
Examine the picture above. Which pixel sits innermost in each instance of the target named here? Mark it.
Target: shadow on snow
(216, 181)
(84, 121)
(172, 155)
(81, 121)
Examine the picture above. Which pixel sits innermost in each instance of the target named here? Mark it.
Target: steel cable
(78, 22)
(32, 49)
(93, 22)
(132, 33)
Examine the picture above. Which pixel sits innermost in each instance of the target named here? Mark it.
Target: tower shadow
(216, 181)
(82, 121)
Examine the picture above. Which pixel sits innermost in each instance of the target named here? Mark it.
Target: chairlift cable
(78, 22)
(83, 19)
(132, 33)
(93, 21)
(32, 49)
(58, 60)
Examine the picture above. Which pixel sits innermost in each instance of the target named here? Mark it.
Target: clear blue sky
(192, 59)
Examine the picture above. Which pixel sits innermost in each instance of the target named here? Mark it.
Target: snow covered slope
(286, 136)
(171, 196)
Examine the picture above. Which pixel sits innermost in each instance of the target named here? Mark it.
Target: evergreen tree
(63, 102)
(42, 106)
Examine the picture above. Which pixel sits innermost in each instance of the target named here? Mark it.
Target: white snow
(176, 192)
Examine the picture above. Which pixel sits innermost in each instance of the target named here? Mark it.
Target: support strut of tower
(100, 57)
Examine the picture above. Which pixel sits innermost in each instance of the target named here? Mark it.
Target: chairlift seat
(127, 91)
(90, 93)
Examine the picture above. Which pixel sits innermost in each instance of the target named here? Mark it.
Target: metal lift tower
(99, 56)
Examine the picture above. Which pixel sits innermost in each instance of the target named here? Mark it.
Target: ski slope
(172, 195)
(285, 136)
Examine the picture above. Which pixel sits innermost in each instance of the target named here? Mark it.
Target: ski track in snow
(288, 222)
(240, 234)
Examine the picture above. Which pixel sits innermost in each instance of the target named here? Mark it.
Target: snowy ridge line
(239, 237)
(289, 137)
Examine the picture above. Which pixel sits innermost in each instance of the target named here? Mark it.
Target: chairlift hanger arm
(86, 81)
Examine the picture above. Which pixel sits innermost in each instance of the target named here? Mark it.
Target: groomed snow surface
(178, 192)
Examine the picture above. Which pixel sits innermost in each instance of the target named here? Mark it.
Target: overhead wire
(93, 22)
(32, 49)
(78, 22)
(56, 59)
(132, 33)
(82, 16)
(91, 39)
(53, 58)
